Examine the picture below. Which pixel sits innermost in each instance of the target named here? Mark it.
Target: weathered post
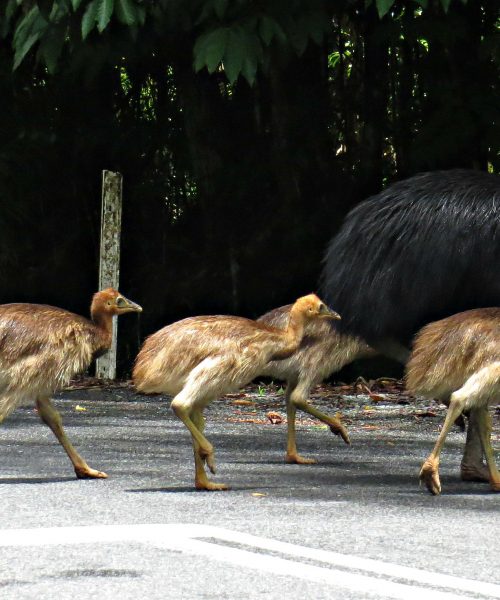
(109, 262)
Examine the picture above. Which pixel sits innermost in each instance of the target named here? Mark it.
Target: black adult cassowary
(423, 249)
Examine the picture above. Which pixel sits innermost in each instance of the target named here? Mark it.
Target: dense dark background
(234, 180)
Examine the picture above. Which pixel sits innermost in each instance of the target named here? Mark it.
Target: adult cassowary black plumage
(423, 249)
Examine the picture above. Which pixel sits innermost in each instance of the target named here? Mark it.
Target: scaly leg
(474, 392)
(205, 449)
(202, 385)
(292, 456)
(297, 398)
(472, 467)
(52, 418)
(429, 473)
(201, 480)
(484, 427)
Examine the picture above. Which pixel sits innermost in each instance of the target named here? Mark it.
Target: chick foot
(297, 459)
(210, 486)
(429, 474)
(87, 473)
(337, 428)
(208, 457)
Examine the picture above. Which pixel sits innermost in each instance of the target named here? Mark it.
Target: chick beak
(128, 306)
(328, 313)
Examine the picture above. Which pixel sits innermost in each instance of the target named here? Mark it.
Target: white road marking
(209, 541)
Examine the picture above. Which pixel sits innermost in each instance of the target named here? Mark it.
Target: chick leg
(201, 480)
(205, 382)
(205, 449)
(484, 427)
(296, 397)
(52, 418)
(471, 393)
(292, 456)
(472, 467)
(429, 473)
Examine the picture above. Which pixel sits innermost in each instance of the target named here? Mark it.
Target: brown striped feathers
(42, 347)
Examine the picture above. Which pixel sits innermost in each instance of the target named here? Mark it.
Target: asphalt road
(356, 525)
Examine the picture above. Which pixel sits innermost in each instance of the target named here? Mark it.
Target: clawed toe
(210, 486)
(297, 459)
(88, 473)
(208, 457)
(339, 429)
(429, 475)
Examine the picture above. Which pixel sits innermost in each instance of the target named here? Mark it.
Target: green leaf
(141, 14)
(210, 48)
(5, 21)
(89, 18)
(11, 9)
(52, 45)
(27, 34)
(24, 48)
(384, 6)
(126, 12)
(243, 53)
(249, 70)
(253, 53)
(76, 4)
(104, 12)
(269, 29)
(234, 56)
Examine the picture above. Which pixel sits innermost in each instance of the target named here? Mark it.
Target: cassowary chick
(322, 351)
(42, 347)
(200, 358)
(457, 360)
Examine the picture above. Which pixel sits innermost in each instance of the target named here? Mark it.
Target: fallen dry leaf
(258, 494)
(243, 402)
(256, 421)
(274, 417)
(80, 408)
(426, 413)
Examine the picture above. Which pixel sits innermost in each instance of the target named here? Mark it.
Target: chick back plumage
(41, 348)
(448, 352)
(169, 356)
(322, 351)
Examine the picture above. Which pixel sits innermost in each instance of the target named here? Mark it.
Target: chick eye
(108, 303)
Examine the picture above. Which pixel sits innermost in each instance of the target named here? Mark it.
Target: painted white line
(209, 541)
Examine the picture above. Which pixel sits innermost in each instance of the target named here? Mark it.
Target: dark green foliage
(244, 130)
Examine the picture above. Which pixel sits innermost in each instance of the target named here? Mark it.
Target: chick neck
(295, 331)
(103, 320)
